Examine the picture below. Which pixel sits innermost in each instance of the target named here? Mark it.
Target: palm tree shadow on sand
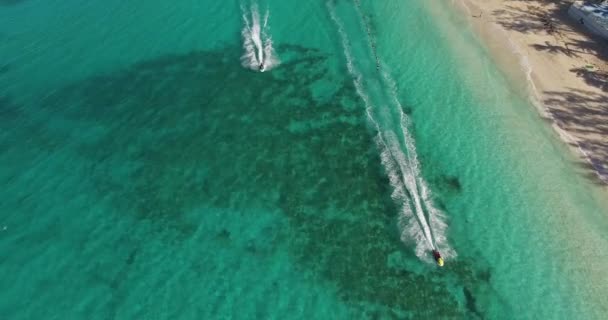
(583, 114)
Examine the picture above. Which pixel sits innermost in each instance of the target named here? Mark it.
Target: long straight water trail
(419, 220)
(259, 51)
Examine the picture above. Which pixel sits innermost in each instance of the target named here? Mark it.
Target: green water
(146, 174)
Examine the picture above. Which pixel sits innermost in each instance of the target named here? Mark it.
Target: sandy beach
(561, 65)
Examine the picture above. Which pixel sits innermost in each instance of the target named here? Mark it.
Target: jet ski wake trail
(421, 223)
(259, 54)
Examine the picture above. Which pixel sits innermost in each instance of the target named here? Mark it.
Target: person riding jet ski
(438, 258)
(262, 66)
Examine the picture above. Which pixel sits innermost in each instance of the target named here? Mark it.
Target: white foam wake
(259, 53)
(435, 219)
(419, 220)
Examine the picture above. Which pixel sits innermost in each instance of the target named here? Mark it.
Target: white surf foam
(257, 42)
(421, 223)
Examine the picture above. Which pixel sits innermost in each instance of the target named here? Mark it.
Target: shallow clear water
(145, 173)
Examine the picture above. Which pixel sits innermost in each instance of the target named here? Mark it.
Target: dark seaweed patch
(224, 234)
(132, 256)
(184, 130)
(407, 110)
(471, 302)
(485, 275)
(453, 183)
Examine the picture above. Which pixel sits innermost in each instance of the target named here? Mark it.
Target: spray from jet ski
(259, 53)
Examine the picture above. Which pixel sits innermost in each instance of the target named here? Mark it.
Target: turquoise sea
(148, 170)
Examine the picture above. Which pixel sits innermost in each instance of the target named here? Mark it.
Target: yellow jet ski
(438, 258)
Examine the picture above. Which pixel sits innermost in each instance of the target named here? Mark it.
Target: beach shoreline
(556, 64)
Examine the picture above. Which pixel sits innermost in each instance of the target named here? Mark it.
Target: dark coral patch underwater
(167, 135)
